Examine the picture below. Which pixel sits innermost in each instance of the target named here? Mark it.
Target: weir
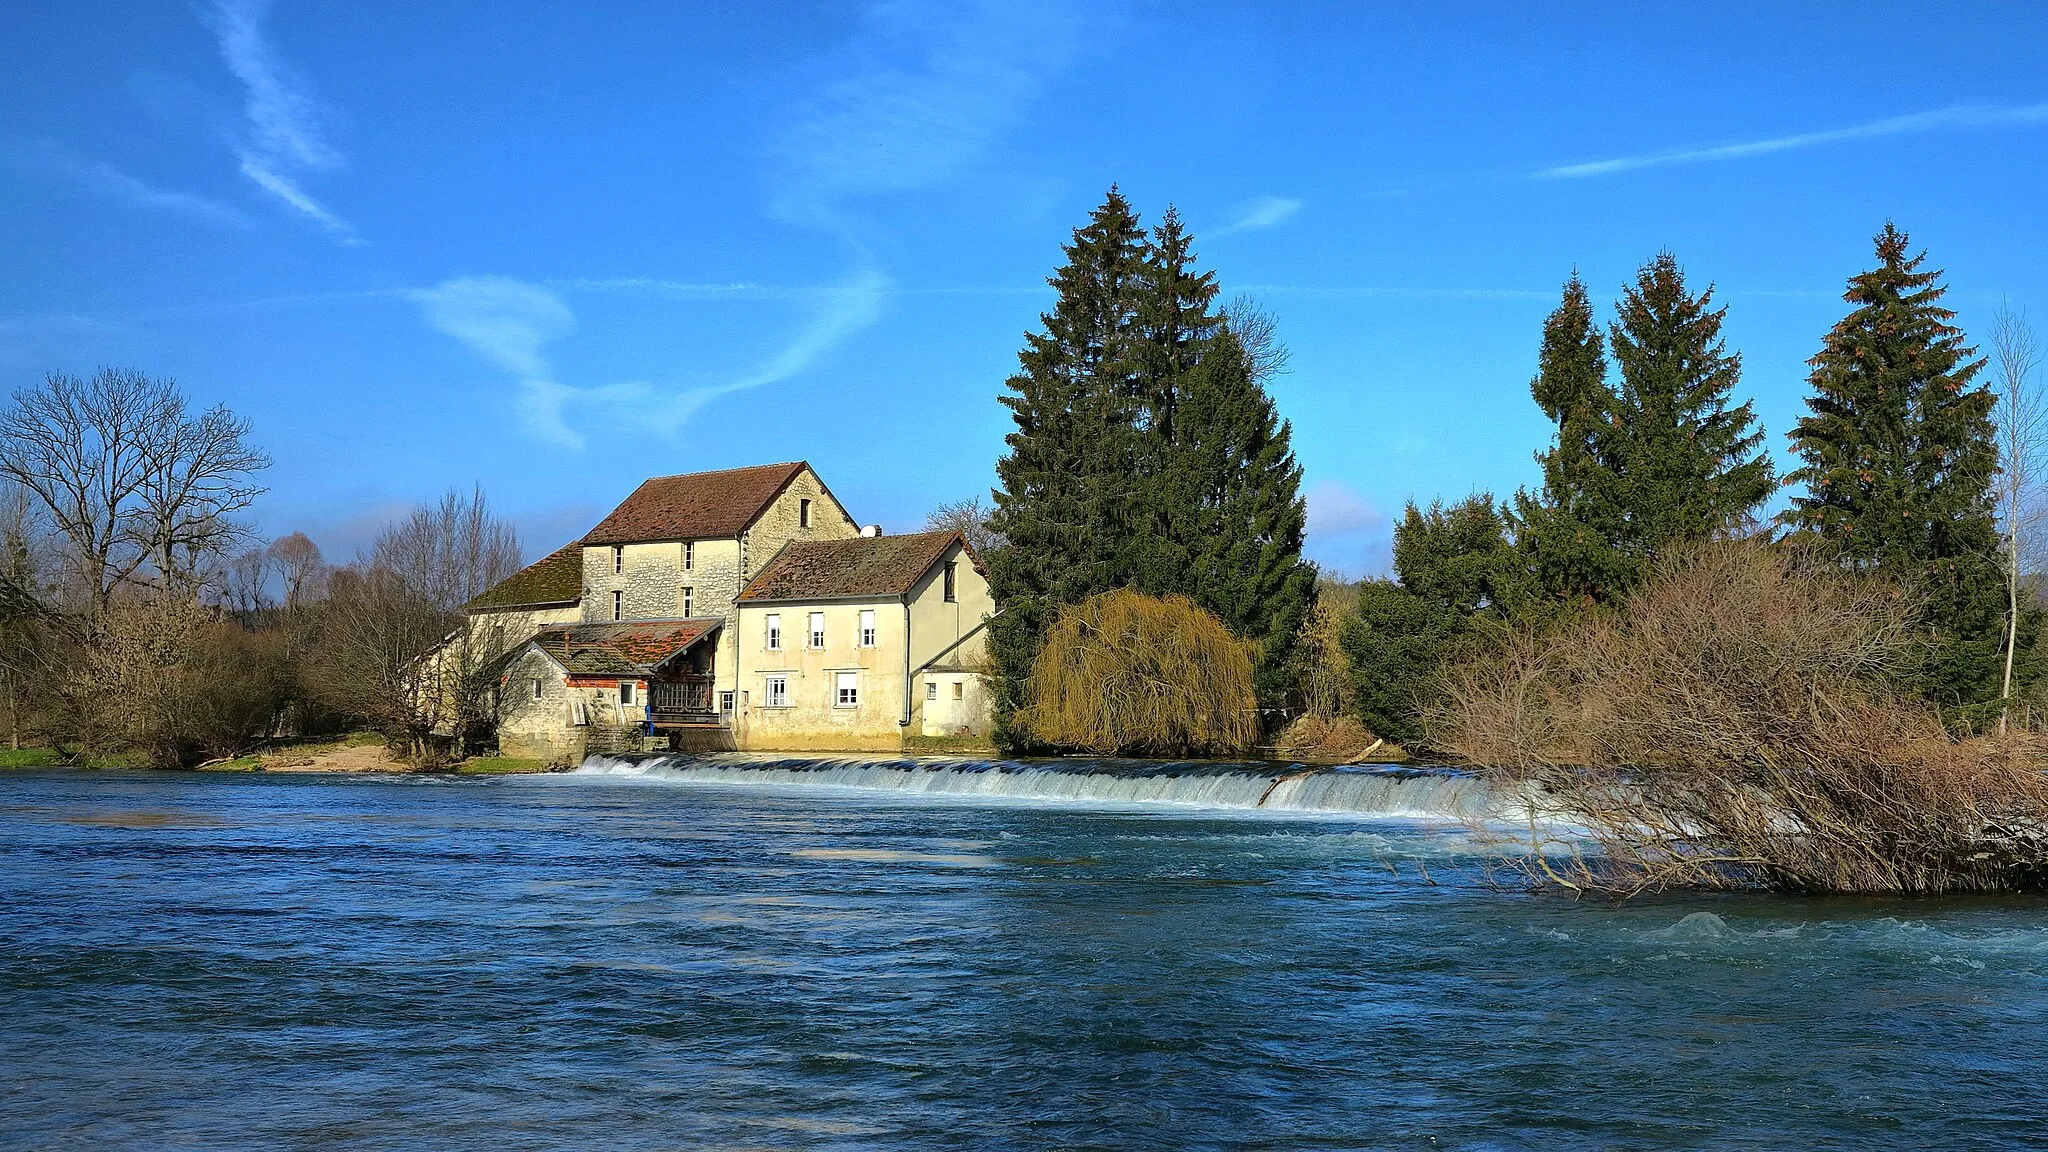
(1351, 790)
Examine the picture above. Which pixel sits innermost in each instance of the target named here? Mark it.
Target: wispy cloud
(925, 88)
(510, 323)
(1262, 213)
(283, 135)
(104, 179)
(931, 85)
(1963, 116)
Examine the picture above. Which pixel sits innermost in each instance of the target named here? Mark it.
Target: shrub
(1122, 673)
(1737, 722)
(171, 678)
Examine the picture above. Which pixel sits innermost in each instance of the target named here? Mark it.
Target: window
(817, 630)
(778, 691)
(931, 690)
(536, 688)
(689, 598)
(803, 513)
(618, 605)
(951, 581)
(867, 627)
(625, 691)
(689, 555)
(618, 558)
(959, 690)
(774, 632)
(725, 701)
(848, 692)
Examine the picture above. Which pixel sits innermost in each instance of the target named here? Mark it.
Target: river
(750, 955)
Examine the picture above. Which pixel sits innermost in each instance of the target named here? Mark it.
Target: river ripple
(581, 962)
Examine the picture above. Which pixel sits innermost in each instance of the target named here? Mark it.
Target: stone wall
(537, 726)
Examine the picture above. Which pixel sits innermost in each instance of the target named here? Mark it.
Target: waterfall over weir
(1356, 790)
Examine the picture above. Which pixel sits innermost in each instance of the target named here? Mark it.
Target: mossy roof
(556, 578)
(628, 649)
(837, 569)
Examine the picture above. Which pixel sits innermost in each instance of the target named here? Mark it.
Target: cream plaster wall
(813, 720)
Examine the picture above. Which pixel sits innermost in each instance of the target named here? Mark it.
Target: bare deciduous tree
(28, 631)
(2022, 417)
(302, 568)
(1259, 331)
(392, 649)
(968, 517)
(451, 553)
(129, 477)
(243, 581)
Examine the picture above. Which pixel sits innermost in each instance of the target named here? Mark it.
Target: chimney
(871, 530)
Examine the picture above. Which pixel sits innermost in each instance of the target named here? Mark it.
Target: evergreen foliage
(1898, 459)
(1146, 455)
(1231, 498)
(1066, 506)
(1689, 465)
(1568, 531)
(1457, 570)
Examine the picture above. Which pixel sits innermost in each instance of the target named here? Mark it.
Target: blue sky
(557, 248)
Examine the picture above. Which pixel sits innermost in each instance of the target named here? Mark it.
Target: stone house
(653, 630)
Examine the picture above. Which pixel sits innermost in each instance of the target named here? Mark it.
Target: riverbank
(362, 752)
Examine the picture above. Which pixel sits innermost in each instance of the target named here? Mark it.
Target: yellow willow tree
(1122, 673)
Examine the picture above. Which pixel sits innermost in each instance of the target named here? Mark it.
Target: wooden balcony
(683, 702)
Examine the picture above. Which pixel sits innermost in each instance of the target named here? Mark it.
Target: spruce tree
(1898, 459)
(1687, 464)
(1066, 507)
(1177, 325)
(1568, 531)
(1230, 500)
(1456, 570)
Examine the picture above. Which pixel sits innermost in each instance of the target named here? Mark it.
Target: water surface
(587, 961)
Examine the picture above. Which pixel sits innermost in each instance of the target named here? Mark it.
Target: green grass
(922, 745)
(50, 757)
(499, 766)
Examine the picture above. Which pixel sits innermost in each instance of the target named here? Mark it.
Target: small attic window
(952, 581)
(618, 558)
(803, 513)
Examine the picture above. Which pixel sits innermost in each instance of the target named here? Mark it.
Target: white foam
(1384, 793)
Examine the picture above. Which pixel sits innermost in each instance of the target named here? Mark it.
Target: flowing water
(746, 953)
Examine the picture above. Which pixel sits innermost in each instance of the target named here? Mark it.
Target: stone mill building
(738, 610)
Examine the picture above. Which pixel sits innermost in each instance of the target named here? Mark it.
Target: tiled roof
(694, 506)
(862, 566)
(556, 578)
(631, 649)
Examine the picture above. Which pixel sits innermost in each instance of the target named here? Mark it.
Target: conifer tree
(1455, 570)
(1066, 507)
(1568, 531)
(1688, 465)
(1176, 327)
(1898, 460)
(1230, 500)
